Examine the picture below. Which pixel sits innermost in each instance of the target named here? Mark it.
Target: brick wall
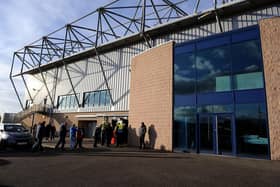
(270, 38)
(151, 96)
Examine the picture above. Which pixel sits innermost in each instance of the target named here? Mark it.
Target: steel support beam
(217, 16)
(22, 76)
(42, 75)
(175, 7)
(13, 83)
(196, 6)
(143, 19)
(66, 68)
(104, 76)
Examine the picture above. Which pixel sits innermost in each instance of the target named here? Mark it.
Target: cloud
(25, 21)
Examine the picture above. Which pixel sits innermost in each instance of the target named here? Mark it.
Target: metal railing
(36, 108)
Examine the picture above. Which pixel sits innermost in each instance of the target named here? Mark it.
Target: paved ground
(132, 167)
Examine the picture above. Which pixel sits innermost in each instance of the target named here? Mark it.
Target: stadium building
(204, 77)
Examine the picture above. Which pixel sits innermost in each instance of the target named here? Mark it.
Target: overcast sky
(24, 21)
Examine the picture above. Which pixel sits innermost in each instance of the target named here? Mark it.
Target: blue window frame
(221, 74)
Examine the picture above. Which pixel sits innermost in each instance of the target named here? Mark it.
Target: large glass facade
(219, 96)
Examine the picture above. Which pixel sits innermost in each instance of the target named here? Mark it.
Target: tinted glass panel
(184, 128)
(251, 129)
(215, 109)
(246, 57)
(213, 69)
(184, 74)
(206, 133)
(248, 81)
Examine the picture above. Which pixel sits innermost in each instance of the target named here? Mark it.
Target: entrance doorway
(215, 133)
(89, 128)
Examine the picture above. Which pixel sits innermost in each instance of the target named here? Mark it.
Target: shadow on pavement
(96, 152)
(4, 162)
(139, 155)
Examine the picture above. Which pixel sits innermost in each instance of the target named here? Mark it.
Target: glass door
(206, 132)
(215, 133)
(224, 134)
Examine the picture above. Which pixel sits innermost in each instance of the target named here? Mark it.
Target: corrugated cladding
(87, 75)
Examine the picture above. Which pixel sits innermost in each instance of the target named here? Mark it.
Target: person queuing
(142, 133)
(34, 130)
(40, 132)
(106, 132)
(73, 133)
(48, 130)
(96, 137)
(62, 135)
(53, 131)
(119, 132)
(80, 137)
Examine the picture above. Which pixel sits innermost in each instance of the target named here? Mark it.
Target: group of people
(76, 137)
(49, 130)
(40, 131)
(110, 134)
(105, 134)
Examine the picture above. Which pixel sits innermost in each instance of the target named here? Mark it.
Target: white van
(14, 134)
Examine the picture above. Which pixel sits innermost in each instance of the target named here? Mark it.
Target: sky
(24, 21)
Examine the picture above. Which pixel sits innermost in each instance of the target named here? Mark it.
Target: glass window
(213, 69)
(102, 98)
(251, 129)
(64, 102)
(248, 81)
(91, 99)
(215, 109)
(71, 102)
(75, 104)
(60, 101)
(184, 74)
(184, 128)
(96, 99)
(108, 99)
(86, 99)
(67, 105)
(246, 57)
(68, 101)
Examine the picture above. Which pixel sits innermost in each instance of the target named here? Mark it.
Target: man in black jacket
(40, 133)
(62, 135)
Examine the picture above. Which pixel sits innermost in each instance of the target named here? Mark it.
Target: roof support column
(26, 87)
(98, 56)
(43, 78)
(66, 68)
(143, 23)
(104, 76)
(13, 83)
(217, 16)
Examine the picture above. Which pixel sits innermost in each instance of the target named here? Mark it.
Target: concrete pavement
(132, 167)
